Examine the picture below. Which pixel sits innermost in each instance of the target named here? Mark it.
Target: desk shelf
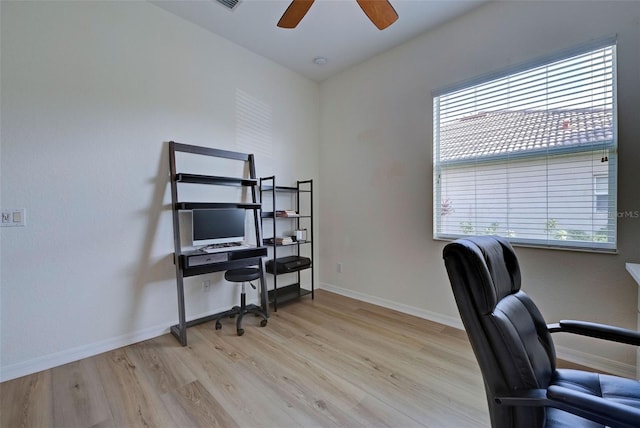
(221, 261)
(187, 206)
(192, 263)
(215, 180)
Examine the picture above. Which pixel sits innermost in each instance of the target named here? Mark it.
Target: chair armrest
(530, 398)
(601, 410)
(600, 331)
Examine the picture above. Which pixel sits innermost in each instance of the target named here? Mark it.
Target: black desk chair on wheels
(513, 346)
(243, 275)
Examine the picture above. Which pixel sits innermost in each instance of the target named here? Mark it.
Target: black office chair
(514, 349)
(243, 275)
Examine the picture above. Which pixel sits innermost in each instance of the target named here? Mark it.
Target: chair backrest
(507, 332)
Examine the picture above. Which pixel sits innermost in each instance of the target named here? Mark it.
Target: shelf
(269, 214)
(269, 269)
(302, 215)
(287, 294)
(283, 189)
(212, 179)
(215, 205)
(267, 241)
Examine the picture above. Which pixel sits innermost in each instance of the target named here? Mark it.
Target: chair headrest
(493, 262)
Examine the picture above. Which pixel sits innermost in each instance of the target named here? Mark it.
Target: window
(531, 153)
(601, 193)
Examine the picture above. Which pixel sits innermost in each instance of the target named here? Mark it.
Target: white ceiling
(335, 29)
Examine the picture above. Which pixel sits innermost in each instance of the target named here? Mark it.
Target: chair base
(240, 312)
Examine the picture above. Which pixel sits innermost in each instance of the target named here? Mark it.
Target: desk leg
(180, 330)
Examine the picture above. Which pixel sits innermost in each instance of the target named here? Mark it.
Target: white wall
(376, 210)
(91, 93)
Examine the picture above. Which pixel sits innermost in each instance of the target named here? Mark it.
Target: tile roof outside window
(485, 136)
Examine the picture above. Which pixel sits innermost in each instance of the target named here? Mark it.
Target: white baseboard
(70, 355)
(567, 354)
(400, 307)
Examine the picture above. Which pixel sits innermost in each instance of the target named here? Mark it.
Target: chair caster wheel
(240, 331)
(218, 325)
(263, 323)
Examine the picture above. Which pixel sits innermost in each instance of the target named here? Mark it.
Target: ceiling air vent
(228, 3)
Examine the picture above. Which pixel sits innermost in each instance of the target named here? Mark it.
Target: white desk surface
(634, 270)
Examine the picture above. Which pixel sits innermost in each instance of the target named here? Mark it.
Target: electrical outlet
(206, 285)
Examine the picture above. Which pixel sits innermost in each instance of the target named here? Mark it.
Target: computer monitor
(218, 226)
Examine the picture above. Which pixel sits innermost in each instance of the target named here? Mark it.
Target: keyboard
(228, 246)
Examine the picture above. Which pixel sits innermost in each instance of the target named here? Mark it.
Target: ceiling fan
(380, 12)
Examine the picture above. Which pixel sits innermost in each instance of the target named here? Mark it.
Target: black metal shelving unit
(221, 261)
(303, 219)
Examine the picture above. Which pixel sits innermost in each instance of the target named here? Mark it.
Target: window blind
(530, 154)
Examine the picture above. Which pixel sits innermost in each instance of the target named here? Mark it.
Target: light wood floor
(332, 361)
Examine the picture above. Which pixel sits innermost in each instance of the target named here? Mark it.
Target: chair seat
(621, 390)
(242, 275)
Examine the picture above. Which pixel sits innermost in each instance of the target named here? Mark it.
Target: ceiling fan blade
(294, 13)
(380, 12)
